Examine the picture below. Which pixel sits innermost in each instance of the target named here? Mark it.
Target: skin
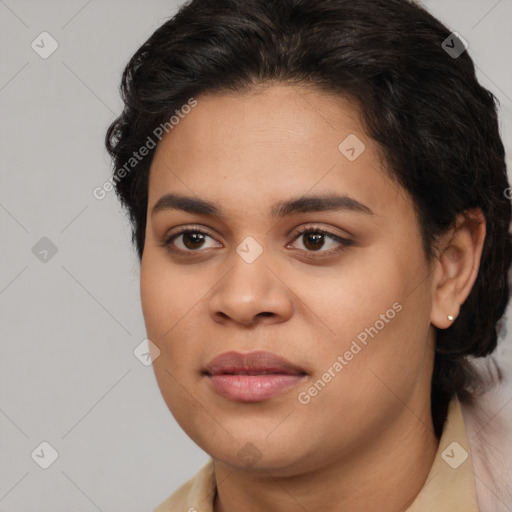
(366, 441)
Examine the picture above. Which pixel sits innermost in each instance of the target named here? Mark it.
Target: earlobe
(456, 266)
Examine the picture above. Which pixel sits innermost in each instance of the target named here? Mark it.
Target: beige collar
(450, 485)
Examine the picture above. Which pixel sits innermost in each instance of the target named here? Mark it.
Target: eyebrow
(303, 204)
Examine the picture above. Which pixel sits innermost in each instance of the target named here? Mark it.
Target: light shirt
(450, 484)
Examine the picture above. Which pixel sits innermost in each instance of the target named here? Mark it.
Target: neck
(385, 475)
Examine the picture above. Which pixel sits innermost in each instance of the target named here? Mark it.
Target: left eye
(313, 239)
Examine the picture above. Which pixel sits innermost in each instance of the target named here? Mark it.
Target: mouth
(253, 376)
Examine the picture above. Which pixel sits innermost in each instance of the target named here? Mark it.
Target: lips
(253, 376)
(252, 363)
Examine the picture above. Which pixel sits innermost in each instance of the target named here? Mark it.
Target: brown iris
(196, 240)
(316, 240)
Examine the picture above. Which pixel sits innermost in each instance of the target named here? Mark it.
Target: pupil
(315, 237)
(189, 236)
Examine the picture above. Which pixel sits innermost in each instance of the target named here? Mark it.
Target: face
(338, 286)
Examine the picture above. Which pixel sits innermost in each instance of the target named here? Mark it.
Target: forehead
(268, 143)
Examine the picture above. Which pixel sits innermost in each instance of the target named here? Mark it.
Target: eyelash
(344, 242)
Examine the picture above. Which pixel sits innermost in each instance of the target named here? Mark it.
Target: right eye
(192, 239)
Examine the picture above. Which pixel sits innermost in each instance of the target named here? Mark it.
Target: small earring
(450, 317)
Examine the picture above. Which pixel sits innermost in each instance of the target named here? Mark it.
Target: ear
(456, 266)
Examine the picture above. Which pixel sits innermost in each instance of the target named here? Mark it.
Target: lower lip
(253, 388)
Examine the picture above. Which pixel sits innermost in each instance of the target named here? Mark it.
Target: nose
(251, 293)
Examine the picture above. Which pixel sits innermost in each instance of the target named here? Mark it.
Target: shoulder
(195, 495)
(488, 421)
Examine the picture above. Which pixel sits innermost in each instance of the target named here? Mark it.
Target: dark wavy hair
(436, 126)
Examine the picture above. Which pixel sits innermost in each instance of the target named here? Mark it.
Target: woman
(318, 198)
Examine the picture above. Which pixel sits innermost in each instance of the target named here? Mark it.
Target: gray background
(69, 325)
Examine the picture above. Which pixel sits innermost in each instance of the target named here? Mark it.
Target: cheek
(154, 302)
(170, 300)
(354, 297)
(165, 315)
(165, 296)
(377, 315)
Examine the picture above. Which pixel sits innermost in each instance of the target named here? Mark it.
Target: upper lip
(256, 363)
